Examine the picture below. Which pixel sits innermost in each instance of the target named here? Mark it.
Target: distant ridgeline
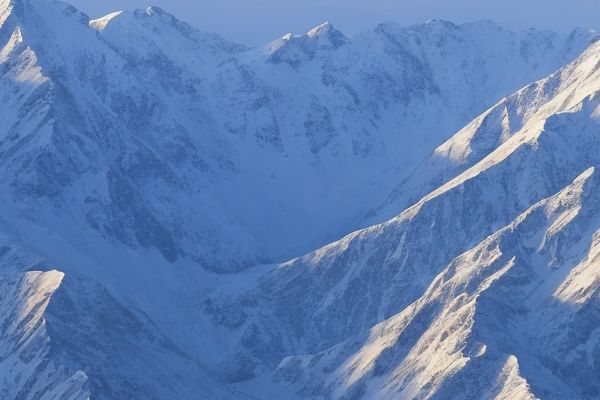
(155, 180)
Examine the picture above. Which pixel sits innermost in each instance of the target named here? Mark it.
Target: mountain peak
(440, 23)
(101, 23)
(144, 156)
(328, 33)
(157, 12)
(153, 10)
(295, 49)
(40, 12)
(324, 28)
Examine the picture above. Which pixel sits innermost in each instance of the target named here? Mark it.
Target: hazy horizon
(265, 20)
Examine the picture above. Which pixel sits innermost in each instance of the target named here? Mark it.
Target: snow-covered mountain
(478, 290)
(146, 133)
(153, 176)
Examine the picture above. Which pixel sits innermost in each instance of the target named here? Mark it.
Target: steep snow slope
(146, 158)
(556, 93)
(82, 146)
(514, 317)
(313, 303)
(379, 115)
(25, 370)
(66, 337)
(148, 134)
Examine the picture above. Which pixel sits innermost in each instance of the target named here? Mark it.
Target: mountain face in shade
(147, 134)
(155, 179)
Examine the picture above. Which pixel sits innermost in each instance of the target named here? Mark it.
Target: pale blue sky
(259, 21)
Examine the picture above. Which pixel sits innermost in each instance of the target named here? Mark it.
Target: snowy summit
(408, 213)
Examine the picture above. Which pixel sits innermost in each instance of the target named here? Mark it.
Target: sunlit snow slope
(155, 179)
(484, 288)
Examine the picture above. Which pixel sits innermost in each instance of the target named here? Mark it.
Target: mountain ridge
(387, 263)
(154, 176)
